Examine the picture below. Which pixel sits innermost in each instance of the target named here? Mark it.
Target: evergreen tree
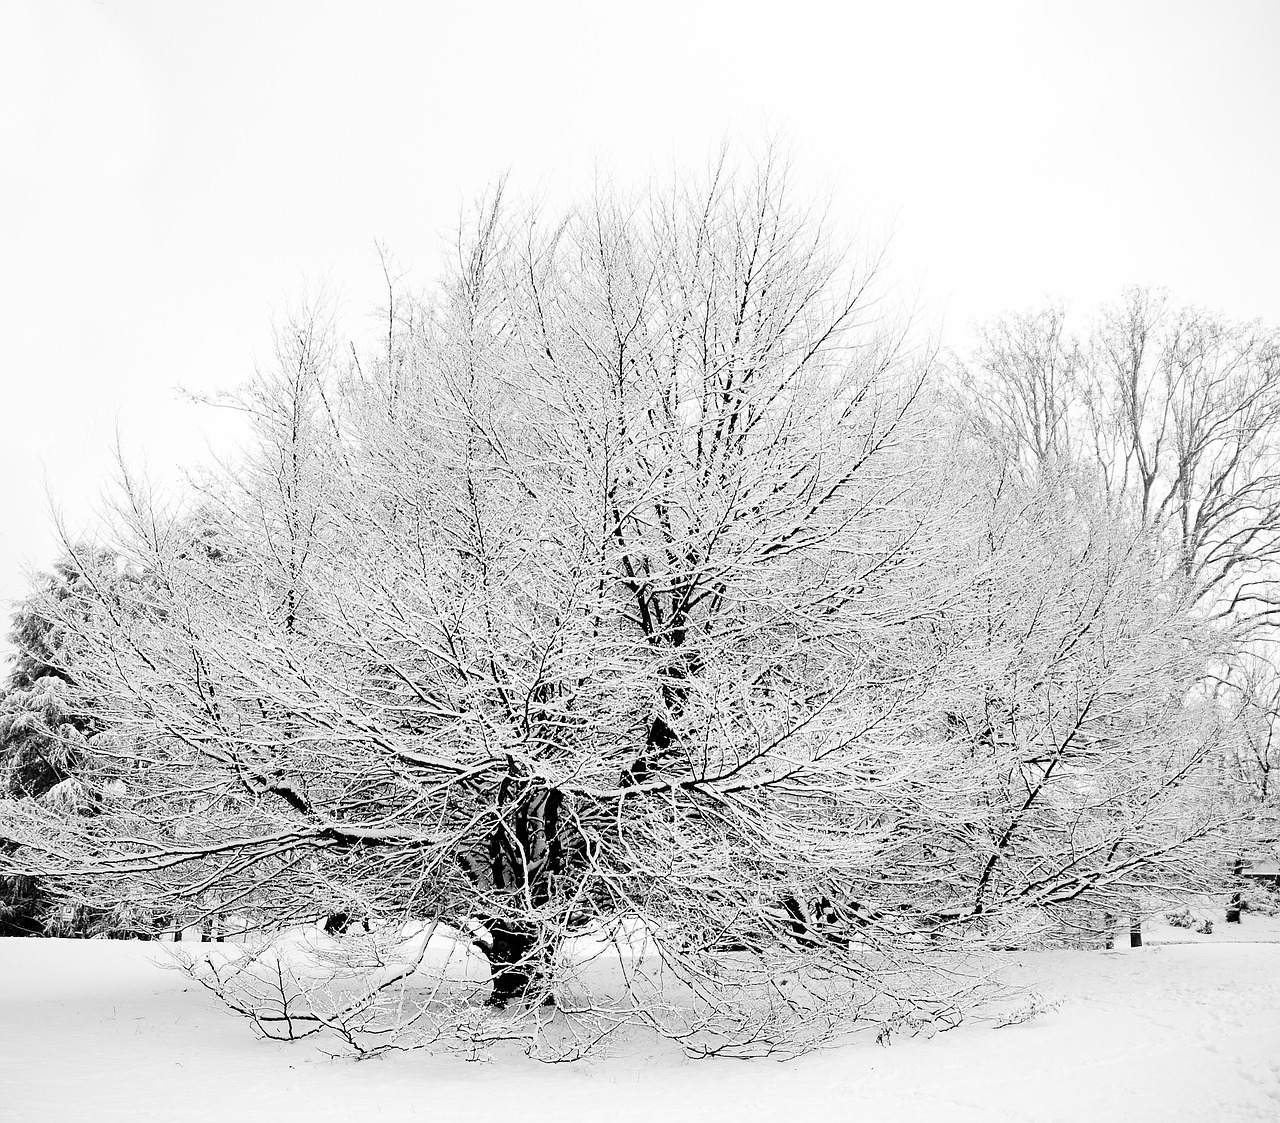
(46, 723)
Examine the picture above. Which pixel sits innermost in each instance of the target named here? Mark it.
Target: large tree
(639, 581)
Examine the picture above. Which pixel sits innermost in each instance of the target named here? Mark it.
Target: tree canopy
(642, 579)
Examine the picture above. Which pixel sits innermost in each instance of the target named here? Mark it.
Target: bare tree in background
(1175, 411)
(1175, 414)
(1250, 686)
(1023, 387)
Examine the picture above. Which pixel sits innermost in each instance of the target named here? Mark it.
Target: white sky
(173, 171)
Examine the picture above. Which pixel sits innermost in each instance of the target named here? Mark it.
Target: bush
(1262, 900)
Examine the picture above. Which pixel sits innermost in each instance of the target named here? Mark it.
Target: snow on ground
(93, 1030)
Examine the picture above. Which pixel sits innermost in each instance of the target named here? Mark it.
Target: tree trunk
(1135, 933)
(510, 957)
(1237, 898)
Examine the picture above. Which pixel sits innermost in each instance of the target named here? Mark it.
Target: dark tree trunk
(1237, 898)
(510, 957)
(1135, 933)
(526, 854)
(798, 921)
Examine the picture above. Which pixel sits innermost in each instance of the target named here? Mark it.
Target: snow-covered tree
(1171, 416)
(1171, 412)
(46, 721)
(1083, 715)
(644, 587)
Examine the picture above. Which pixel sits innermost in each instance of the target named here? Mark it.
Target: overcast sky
(172, 172)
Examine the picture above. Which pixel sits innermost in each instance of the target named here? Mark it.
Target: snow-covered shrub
(1261, 899)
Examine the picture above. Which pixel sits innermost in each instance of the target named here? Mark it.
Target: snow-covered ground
(1186, 1030)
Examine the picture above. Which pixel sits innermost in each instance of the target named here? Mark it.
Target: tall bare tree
(1175, 410)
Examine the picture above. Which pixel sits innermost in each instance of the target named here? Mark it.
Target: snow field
(1169, 1032)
